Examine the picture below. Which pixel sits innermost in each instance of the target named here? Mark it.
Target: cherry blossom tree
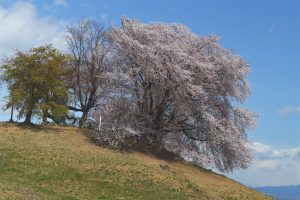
(180, 92)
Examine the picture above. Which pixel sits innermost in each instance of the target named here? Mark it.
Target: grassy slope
(59, 163)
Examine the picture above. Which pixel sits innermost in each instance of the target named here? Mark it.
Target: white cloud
(260, 148)
(289, 110)
(266, 151)
(22, 28)
(271, 167)
(62, 3)
(266, 164)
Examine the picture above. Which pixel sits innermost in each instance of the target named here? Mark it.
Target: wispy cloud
(263, 151)
(272, 28)
(272, 166)
(289, 110)
(63, 3)
(272, 35)
(22, 27)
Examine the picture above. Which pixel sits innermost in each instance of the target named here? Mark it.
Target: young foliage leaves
(35, 83)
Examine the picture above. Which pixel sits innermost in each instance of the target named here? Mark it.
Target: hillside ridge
(61, 163)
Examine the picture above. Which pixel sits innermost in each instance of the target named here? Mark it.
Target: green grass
(60, 163)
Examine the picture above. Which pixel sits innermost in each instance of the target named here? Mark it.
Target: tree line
(157, 84)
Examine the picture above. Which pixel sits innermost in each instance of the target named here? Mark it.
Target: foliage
(35, 82)
(179, 91)
(158, 84)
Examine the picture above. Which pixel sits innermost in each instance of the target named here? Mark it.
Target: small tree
(35, 83)
(181, 92)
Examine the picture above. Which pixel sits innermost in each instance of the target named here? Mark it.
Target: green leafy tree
(35, 83)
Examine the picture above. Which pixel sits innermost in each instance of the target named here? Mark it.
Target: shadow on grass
(132, 147)
(146, 149)
(33, 127)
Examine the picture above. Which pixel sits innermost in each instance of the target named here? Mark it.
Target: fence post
(99, 123)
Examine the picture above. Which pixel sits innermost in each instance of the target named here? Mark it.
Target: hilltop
(61, 163)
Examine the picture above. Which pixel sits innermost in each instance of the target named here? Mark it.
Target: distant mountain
(291, 192)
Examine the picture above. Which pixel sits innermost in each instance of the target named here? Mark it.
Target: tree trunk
(28, 117)
(45, 115)
(83, 118)
(11, 114)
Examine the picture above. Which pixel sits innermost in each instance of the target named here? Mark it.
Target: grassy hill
(60, 163)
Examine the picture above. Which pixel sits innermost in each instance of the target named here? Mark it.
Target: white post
(99, 122)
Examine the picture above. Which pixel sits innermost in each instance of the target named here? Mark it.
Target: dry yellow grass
(60, 163)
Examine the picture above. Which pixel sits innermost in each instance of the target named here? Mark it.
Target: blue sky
(264, 32)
